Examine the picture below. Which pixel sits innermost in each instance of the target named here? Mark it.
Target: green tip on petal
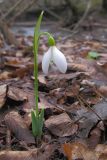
(51, 41)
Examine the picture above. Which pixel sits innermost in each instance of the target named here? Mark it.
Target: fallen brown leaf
(61, 125)
(17, 126)
(78, 150)
(40, 154)
(16, 94)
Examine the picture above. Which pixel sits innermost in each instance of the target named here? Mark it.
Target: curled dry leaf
(3, 90)
(17, 126)
(61, 125)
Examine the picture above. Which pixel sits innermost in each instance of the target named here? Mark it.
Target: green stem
(45, 33)
(51, 40)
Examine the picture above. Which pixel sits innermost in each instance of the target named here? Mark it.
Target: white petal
(59, 59)
(46, 61)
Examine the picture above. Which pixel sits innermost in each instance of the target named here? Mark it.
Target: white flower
(53, 55)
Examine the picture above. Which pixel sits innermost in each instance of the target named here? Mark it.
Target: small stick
(80, 98)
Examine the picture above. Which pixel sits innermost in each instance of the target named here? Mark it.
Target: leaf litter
(75, 103)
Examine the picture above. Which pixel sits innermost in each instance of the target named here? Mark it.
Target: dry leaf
(17, 126)
(78, 150)
(40, 154)
(16, 94)
(61, 125)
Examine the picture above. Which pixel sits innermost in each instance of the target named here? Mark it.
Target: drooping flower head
(53, 55)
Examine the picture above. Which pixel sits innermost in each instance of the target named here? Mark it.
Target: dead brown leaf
(17, 126)
(61, 125)
(78, 150)
(16, 94)
(40, 154)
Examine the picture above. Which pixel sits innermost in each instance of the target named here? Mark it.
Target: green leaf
(93, 55)
(37, 32)
(35, 48)
(37, 119)
(35, 124)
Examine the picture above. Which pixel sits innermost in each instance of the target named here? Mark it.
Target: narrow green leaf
(37, 32)
(36, 128)
(35, 48)
(35, 124)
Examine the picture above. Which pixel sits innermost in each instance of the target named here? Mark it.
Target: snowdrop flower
(54, 56)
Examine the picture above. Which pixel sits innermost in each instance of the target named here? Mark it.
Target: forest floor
(75, 125)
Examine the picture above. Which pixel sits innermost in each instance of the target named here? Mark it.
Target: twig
(81, 20)
(11, 10)
(82, 100)
(22, 9)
